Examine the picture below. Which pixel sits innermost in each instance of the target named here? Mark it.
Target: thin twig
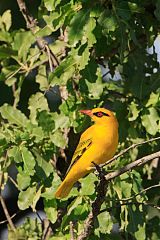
(32, 25)
(144, 190)
(13, 181)
(130, 203)
(8, 217)
(132, 165)
(71, 226)
(38, 215)
(127, 149)
(7, 213)
(46, 229)
(14, 215)
(141, 203)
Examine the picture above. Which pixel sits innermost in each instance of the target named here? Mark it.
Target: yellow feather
(97, 144)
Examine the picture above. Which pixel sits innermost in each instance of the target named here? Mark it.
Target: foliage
(93, 41)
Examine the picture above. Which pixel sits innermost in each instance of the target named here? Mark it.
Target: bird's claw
(101, 171)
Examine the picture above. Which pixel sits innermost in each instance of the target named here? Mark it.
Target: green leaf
(41, 78)
(23, 180)
(43, 166)
(105, 222)
(133, 111)
(5, 37)
(61, 121)
(49, 192)
(88, 29)
(91, 83)
(61, 16)
(77, 25)
(150, 121)
(108, 22)
(123, 10)
(58, 47)
(46, 121)
(74, 204)
(13, 115)
(25, 198)
(60, 237)
(37, 103)
(141, 232)
(10, 81)
(58, 139)
(136, 8)
(30, 229)
(28, 160)
(36, 198)
(82, 211)
(63, 72)
(45, 31)
(77, 59)
(153, 100)
(14, 152)
(82, 57)
(137, 225)
(50, 209)
(5, 20)
(87, 183)
(22, 43)
(95, 88)
(156, 12)
(51, 5)
(36, 132)
(123, 187)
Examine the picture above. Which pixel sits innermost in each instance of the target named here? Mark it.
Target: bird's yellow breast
(97, 144)
(104, 142)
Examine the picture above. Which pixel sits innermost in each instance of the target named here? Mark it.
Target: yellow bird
(97, 144)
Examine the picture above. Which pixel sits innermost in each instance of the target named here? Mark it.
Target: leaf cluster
(107, 57)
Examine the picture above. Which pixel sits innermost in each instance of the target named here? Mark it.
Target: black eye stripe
(100, 114)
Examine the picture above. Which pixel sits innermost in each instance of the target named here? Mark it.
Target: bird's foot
(100, 170)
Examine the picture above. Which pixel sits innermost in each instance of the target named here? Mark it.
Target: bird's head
(100, 115)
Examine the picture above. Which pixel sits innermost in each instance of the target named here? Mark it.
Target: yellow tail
(63, 190)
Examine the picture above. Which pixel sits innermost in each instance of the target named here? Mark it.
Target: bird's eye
(100, 114)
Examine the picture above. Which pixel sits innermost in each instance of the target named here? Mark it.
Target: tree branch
(7, 213)
(102, 189)
(8, 217)
(144, 190)
(129, 148)
(42, 44)
(130, 203)
(14, 215)
(132, 165)
(71, 226)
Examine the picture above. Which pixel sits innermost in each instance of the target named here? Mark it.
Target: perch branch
(132, 165)
(101, 191)
(129, 148)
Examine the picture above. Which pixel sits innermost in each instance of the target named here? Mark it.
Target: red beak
(86, 112)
